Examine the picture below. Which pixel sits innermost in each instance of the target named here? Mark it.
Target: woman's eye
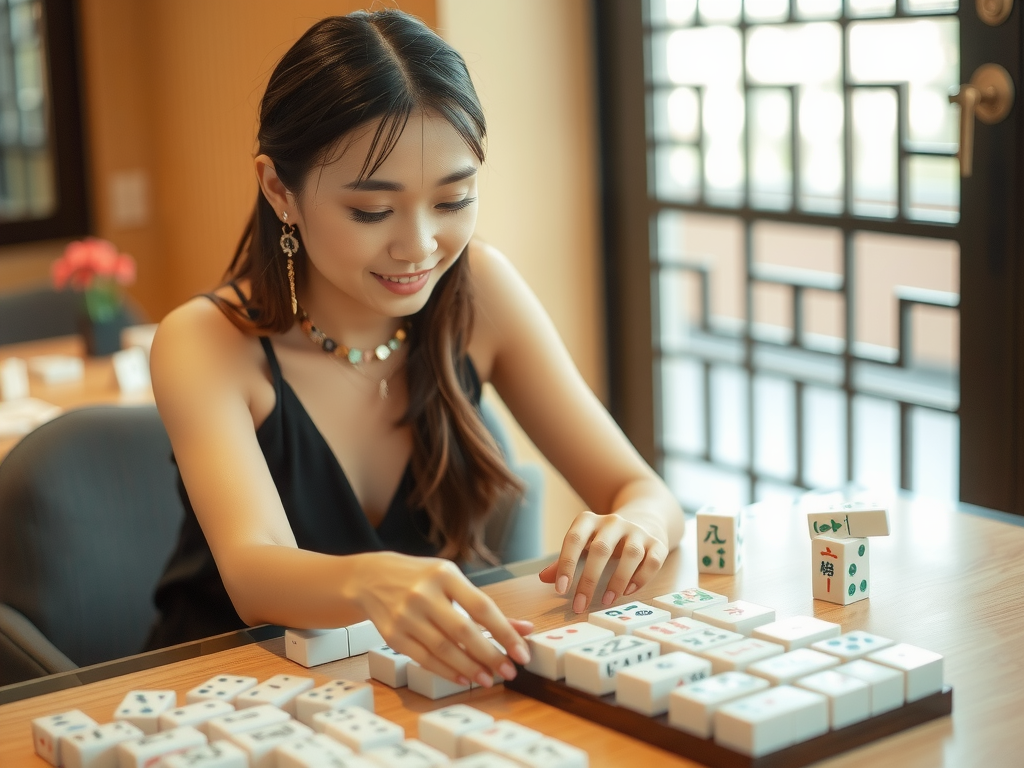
(458, 205)
(368, 217)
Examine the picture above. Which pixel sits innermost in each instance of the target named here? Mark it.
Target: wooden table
(97, 386)
(947, 579)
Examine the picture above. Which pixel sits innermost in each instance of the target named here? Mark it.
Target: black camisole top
(321, 506)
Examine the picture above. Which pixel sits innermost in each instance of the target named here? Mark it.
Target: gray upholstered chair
(89, 514)
(514, 532)
(40, 312)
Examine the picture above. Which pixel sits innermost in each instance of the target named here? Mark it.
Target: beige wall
(531, 63)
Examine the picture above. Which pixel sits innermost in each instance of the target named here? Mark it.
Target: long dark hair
(343, 73)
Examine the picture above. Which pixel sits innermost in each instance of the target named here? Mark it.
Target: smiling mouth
(403, 279)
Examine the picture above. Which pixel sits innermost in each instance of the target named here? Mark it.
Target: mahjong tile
(691, 708)
(686, 601)
(921, 668)
(852, 645)
(784, 669)
(737, 616)
(547, 648)
(795, 632)
(625, 619)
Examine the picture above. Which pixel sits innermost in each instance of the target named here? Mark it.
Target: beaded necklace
(356, 357)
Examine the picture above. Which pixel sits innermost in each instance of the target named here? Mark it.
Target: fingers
(602, 537)
(575, 542)
(424, 656)
(600, 551)
(484, 611)
(548, 573)
(522, 626)
(624, 580)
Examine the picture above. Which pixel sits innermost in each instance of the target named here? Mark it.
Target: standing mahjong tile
(686, 601)
(626, 619)
(855, 519)
(719, 540)
(840, 572)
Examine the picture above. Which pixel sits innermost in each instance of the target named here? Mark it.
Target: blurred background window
(799, 224)
(42, 179)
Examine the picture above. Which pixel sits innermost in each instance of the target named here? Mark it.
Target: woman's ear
(274, 190)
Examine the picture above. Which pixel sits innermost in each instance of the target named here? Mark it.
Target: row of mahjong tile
(655, 665)
(335, 726)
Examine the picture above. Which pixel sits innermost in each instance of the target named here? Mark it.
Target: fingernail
(562, 584)
(630, 589)
(521, 654)
(462, 680)
(608, 598)
(507, 670)
(580, 603)
(484, 679)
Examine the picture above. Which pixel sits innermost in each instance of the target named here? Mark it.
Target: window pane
(696, 483)
(676, 115)
(934, 189)
(771, 157)
(935, 455)
(717, 243)
(884, 263)
(875, 118)
(774, 438)
(819, 9)
(728, 403)
(925, 54)
(876, 443)
(683, 405)
(824, 437)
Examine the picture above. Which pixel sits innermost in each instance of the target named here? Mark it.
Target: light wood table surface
(946, 579)
(97, 386)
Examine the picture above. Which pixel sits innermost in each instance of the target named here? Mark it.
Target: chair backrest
(38, 313)
(89, 514)
(513, 531)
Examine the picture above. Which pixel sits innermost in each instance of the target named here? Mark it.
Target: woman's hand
(410, 600)
(640, 552)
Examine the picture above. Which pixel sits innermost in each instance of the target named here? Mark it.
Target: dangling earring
(290, 245)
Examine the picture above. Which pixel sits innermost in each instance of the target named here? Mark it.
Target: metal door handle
(989, 95)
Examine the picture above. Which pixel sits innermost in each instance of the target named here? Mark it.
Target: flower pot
(102, 337)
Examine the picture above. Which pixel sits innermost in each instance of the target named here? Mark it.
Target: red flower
(86, 260)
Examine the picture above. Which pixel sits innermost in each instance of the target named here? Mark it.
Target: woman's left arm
(634, 516)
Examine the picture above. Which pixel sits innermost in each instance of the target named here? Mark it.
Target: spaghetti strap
(239, 294)
(275, 368)
(268, 348)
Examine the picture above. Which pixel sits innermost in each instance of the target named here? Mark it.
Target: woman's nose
(417, 242)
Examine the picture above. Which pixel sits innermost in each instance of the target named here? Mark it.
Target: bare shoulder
(499, 295)
(198, 349)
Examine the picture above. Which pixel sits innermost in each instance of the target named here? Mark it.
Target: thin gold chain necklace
(354, 356)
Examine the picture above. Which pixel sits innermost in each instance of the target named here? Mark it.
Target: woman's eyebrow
(381, 185)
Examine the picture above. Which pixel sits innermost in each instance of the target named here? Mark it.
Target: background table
(947, 579)
(98, 384)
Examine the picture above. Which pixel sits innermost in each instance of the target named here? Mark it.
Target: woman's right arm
(205, 375)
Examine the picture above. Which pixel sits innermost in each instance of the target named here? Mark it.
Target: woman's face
(384, 242)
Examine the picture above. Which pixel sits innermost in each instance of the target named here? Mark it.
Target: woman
(322, 404)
